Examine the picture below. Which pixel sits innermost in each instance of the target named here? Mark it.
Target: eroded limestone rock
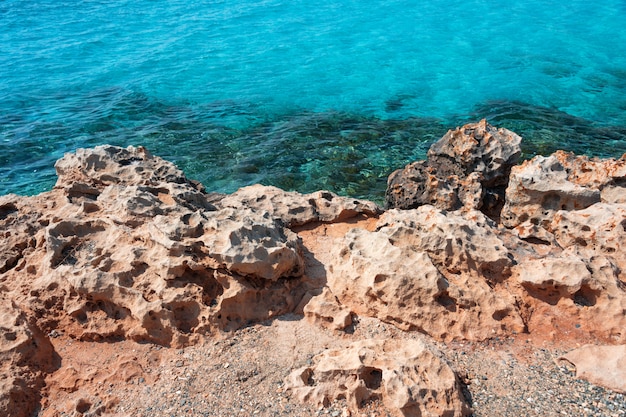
(572, 292)
(296, 209)
(541, 187)
(126, 246)
(468, 167)
(458, 243)
(427, 270)
(325, 310)
(598, 229)
(410, 379)
(555, 277)
(26, 356)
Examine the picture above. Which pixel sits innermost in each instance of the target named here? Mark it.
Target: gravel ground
(502, 382)
(242, 374)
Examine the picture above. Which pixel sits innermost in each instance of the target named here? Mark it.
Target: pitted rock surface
(126, 248)
(429, 271)
(469, 167)
(410, 379)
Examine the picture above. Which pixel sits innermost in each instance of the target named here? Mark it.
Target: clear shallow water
(331, 94)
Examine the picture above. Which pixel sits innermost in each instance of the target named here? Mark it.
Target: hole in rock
(551, 201)
(83, 406)
(100, 308)
(185, 315)
(6, 210)
(586, 297)
(372, 377)
(211, 290)
(80, 316)
(446, 301)
(127, 278)
(548, 294)
(498, 315)
(536, 241)
(580, 242)
(308, 377)
(90, 207)
(49, 303)
(128, 161)
(379, 278)
(10, 263)
(79, 192)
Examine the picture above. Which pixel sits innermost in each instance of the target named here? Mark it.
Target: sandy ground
(243, 373)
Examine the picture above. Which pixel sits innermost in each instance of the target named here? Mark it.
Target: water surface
(302, 95)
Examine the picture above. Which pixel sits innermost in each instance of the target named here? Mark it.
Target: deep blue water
(303, 95)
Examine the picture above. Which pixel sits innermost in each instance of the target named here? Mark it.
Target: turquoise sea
(303, 95)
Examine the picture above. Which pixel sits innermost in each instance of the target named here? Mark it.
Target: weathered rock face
(25, 357)
(295, 209)
(571, 292)
(572, 206)
(543, 186)
(468, 167)
(430, 271)
(125, 247)
(410, 379)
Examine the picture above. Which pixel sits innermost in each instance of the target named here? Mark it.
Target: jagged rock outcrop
(410, 379)
(468, 167)
(571, 207)
(126, 247)
(430, 271)
(543, 186)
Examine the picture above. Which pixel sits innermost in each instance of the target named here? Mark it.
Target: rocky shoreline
(328, 304)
